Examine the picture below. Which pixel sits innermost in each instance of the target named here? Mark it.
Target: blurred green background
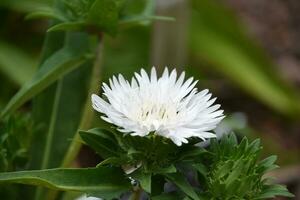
(246, 52)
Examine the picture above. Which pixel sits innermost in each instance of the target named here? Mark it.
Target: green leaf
(25, 6)
(115, 161)
(60, 63)
(180, 181)
(234, 171)
(57, 131)
(139, 19)
(101, 182)
(166, 170)
(16, 64)
(268, 161)
(48, 13)
(68, 26)
(15, 137)
(43, 103)
(157, 185)
(272, 191)
(143, 17)
(102, 141)
(104, 14)
(58, 127)
(192, 153)
(201, 168)
(237, 170)
(144, 179)
(168, 196)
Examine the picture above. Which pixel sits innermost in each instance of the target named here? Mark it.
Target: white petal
(168, 106)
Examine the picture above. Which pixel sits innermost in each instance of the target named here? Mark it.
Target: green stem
(88, 112)
(86, 119)
(50, 134)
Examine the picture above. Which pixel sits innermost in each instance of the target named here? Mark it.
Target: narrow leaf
(102, 182)
(49, 14)
(143, 19)
(102, 141)
(16, 64)
(168, 196)
(68, 26)
(53, 68)
(64, 106)
(180, 181)
(273, 191)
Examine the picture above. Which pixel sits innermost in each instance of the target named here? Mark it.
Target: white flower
(167, 106)
(84, 197)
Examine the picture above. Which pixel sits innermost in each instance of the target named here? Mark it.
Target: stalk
(88, 113)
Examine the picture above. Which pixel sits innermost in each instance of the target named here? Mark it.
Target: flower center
(154, 115)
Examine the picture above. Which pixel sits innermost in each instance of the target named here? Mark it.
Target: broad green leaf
(218, 38)
(180, 181)
(16, 64)
(65, 60)
(101, 182)
(102, 141)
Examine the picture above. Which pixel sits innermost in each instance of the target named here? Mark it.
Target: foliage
(63, 61)
(15, 134)
(94, 15)
(227, 170)
(59, 93)
(10, 60)
(235, 171)
(99, 182)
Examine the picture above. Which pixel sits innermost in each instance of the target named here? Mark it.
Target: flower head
(166, 105)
